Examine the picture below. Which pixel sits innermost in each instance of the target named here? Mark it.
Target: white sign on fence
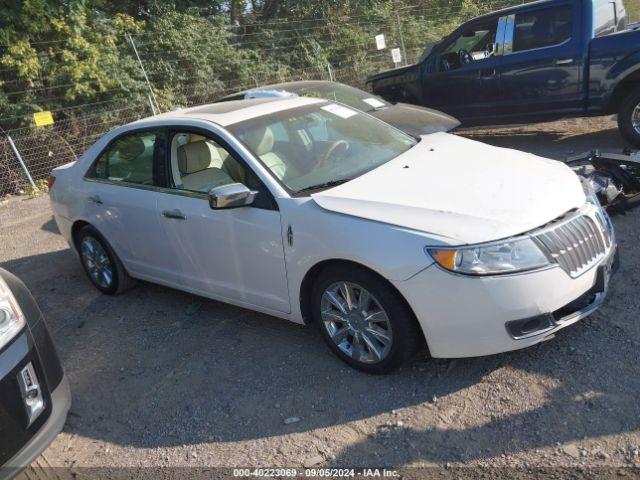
(380, 43)
(395, 54)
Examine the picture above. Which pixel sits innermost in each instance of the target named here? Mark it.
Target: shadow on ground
(156, 367)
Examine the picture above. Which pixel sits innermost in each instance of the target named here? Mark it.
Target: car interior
(475, 43)
(130, 159)
(542, 28)
(199, 164)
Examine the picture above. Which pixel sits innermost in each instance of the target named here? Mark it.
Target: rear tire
(629, 118)
(375, 331)
(101, 264)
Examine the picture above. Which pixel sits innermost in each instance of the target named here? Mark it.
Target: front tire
(629, 118)
(100, 262)
(363, 320)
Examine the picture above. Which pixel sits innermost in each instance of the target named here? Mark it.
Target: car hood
(457, 188)
(416, 120)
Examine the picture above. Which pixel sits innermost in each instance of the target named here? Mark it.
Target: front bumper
(61, 402)
(463, 316)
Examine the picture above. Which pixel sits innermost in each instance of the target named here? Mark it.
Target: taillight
(51, 181)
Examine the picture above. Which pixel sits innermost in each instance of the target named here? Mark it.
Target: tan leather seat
(261, 141)
(195, 160)
(128, 165)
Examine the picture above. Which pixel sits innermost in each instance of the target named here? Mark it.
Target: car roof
(286, 86)
(235, 111)
(512, 9)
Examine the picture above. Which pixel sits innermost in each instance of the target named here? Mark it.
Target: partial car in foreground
(411, 119)
(34, 392)
(315, 212)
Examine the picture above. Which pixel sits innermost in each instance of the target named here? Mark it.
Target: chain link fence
(348, 61)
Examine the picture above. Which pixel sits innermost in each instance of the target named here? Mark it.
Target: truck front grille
(576, 245)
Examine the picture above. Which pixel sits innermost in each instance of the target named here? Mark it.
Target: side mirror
(234, 195)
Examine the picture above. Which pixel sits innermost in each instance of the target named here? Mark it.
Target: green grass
(633, 7)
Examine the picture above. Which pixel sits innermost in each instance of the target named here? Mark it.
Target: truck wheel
(629, 119)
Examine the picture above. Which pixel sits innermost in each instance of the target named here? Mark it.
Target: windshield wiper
(321, 186)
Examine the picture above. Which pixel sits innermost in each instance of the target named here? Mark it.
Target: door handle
(487, 73)
(564, 61)
(95, 199)
(174, 214)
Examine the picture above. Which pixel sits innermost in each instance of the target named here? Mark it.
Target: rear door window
(542, 28)
(604, 17)
(129, 159)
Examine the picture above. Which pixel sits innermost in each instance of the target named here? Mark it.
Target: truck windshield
(320, 145)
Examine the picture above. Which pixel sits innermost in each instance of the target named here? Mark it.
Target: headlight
(515, 255)
(11, 317)
(590, 192)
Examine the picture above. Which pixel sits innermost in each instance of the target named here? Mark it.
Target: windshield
(337, 92)
(321, 145)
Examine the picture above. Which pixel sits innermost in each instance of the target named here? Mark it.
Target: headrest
(260, 140)
(130, 148)
(195, 156)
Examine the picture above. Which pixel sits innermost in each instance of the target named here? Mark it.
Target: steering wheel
(332, 150)
(465, 57)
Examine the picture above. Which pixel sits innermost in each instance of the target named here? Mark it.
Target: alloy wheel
(356, 322)
(635, 119)
(97, 262)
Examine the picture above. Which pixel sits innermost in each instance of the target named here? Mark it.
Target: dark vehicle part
(529, 63)
(34, 391)
(411, 119)
(614, 177)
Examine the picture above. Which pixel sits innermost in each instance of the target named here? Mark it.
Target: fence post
(19, 157)
(399, 25)
(330, 72)
(144, 72)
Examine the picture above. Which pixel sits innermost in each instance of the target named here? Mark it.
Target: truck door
(542, 63)
(463, 77)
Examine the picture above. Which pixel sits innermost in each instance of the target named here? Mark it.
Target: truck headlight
(508, 256)
(11, 317)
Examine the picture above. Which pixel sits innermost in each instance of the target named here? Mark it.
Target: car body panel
(436, 187)
(455, 191)
(466, 316)
(220, 250)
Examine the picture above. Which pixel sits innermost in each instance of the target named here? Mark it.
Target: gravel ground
(163, 378)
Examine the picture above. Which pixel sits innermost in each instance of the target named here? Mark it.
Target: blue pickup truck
(534, 62)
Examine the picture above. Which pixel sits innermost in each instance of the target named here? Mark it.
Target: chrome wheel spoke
(377, 317)
(379, 335)
(347, 293)
(364, 300)
(329, 316)
(340, 335)
(372, 347)
(356, 347)
(336, 302)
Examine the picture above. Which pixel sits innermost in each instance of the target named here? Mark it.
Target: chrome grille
(576, 245)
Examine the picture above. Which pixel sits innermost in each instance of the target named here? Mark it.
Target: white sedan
(317, 213)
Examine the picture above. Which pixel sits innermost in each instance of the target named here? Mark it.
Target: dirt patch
(157, 382)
